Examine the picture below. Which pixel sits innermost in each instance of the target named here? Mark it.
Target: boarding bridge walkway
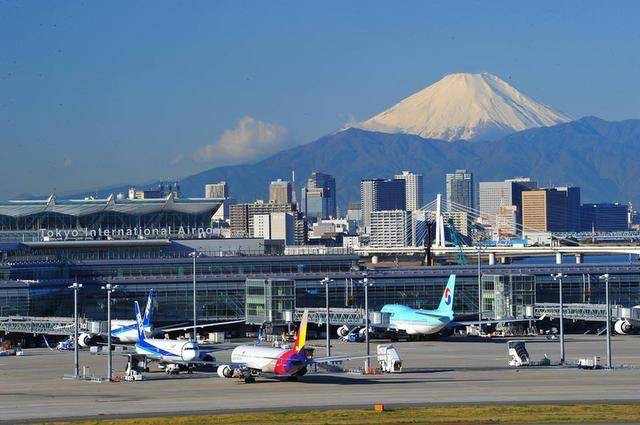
(587, 312)
(41, 325)
(341, 316)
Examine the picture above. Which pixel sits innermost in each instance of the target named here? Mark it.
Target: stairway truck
(389, 359)
(519, 356)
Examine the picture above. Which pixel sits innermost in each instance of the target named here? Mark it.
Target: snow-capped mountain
(465, 106)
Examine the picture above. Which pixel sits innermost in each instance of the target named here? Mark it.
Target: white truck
(389, 359)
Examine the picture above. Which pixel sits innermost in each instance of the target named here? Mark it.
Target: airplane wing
(435, 316)
(207, 325)
(337, 359)
(489, 322)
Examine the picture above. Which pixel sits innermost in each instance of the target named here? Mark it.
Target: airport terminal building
(142, 244)
(110, 218)
(34, 280)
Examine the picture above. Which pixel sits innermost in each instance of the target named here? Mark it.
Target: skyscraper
(459, 189)
(318, 200)
(280, 192)
(241, 220)
(381, 195)
(390, 228)
(572, 196)
(551, 209)
(414, 188)
(499, 199)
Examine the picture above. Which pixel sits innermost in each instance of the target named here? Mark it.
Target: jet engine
(623, 327)
(343, 331)
(225, 371)
(84, 340)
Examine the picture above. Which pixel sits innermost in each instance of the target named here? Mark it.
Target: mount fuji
(465, 107)
(464, 121)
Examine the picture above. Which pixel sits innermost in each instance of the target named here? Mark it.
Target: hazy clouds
(250, 139)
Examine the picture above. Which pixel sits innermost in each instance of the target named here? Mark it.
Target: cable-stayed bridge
(440, 235)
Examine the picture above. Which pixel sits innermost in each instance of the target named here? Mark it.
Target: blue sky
(99, 93)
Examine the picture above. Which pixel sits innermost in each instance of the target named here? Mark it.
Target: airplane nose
(189, 352)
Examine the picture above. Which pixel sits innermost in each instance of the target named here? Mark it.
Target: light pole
(558, 277)
(605, 277)
(367, 360)
(195, 254)
(109, 288)
(76, 356)
(326, 282)
(479, 249)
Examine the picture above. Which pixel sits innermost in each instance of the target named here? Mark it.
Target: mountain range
(599, 156)
(477, 122)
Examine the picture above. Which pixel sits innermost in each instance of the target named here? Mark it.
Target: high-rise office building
(390, 228)
(604, 217)
(460, 221)
(381, 195)
(218, 190)
(572, 196)
(414, 188)
(275, 226)
(500, 204)
(318, 200)
(459, 189)
(241, 220)
(280, 192)
(550, 209)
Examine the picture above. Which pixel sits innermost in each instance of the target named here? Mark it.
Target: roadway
(504, 251)
(453, 371)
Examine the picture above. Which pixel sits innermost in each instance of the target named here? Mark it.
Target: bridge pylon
(439, 239)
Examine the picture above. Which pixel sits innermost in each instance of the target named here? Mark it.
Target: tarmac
(457, 370)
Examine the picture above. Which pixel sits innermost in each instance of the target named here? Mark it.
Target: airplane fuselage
(414, 321)
(168, 350)
(278, 361)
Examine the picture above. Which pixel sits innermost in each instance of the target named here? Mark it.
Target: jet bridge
(42, 325)
(587, 312)
(339, 316)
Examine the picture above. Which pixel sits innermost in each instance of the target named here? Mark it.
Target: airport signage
(181, 232)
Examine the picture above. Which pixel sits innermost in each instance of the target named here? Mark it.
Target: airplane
(250, 361)
(414, 321)
(125, 332)
(627, 325)
(354, 334)
(174, 355)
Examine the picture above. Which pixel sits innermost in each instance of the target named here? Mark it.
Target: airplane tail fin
(150, 309)
(446, 303)
(139, 322)
(301, 339)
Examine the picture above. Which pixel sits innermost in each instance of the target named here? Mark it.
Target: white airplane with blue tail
(164, 350)
(124, 331)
